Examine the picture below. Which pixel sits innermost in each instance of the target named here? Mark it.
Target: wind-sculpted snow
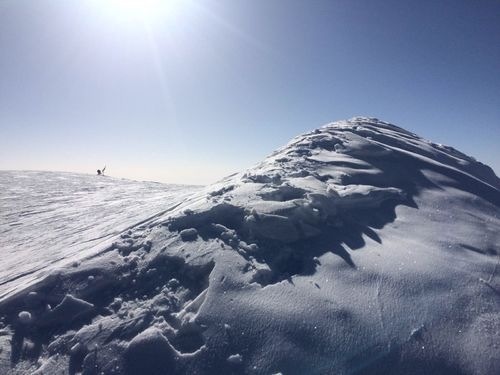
(358, 248)
(49, 218)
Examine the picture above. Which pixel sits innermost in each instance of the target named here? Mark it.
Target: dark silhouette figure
(101, 173)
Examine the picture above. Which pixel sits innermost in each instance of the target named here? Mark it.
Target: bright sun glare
(140, 10)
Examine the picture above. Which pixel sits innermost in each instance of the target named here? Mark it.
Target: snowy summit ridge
(357, 248)
(324, 183)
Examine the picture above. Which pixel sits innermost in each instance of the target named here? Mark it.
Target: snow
(24, 317)
(189, 234)
(358, 247)
(150, 353)
(235, 358)
(53, 218)
(69, 309)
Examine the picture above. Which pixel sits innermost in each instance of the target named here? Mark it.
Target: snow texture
(55, 218)
(357, 248)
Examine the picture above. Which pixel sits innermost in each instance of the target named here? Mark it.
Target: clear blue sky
(199, 89)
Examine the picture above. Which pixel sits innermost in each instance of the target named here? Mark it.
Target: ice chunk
(70, 309)
(32, 299)
(235, 358)
(150, 353)
(274, 227)
(25, 317)
(189, 234)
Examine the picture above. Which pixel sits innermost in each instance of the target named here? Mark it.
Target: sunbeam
(140, 10)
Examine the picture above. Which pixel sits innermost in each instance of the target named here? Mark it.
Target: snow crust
(48, 219)
(358, 248)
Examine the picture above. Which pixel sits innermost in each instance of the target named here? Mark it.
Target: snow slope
(358, 248)
(54, 218)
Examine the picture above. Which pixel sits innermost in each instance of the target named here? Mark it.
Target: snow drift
(358, 248)
(51, 218)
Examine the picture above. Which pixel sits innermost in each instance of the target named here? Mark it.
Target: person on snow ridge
(101, 173)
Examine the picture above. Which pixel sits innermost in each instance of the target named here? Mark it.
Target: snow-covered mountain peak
(357, 248)
(369, 140)
(332, 184)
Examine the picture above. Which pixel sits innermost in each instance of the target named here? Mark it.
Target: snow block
(189, 234)
(24, 317)
(150, 353)
(70, 309)
(273, 227)
(235, 359)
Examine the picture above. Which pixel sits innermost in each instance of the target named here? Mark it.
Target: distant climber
(101, 173)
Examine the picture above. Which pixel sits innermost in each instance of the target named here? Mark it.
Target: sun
(139, 10)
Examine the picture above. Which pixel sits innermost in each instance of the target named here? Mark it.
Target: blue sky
(194, 91)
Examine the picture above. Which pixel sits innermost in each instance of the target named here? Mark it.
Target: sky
(191, 91)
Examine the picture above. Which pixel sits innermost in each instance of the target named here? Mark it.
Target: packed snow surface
(49, 218)
(358, 248)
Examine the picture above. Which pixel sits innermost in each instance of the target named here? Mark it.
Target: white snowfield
(358, 248)
(48, 218)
